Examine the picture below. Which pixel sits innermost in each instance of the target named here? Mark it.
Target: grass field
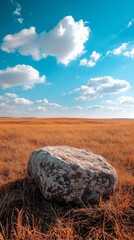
(24, 214)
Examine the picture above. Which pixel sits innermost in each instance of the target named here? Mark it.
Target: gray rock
(71, 175)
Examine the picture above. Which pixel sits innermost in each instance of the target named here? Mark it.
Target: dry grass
(24, 214)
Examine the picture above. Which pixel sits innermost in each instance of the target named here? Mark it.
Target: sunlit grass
(113, 139)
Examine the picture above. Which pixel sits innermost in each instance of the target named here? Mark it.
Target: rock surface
(71, 175)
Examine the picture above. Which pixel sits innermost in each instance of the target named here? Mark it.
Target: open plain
(24, 214)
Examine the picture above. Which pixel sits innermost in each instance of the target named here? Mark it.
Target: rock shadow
(23, 195)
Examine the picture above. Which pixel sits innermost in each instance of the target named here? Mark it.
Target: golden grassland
(24, 214)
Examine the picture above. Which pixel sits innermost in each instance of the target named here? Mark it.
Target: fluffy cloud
(11, 95)
(25, 42)
(120, 103)
(125, 100)
(23, 75)
(65, 41)
(8, 96)
(97, 87)
(20, 101)
(119, 50)
(11, 100)
(45, 101)
(129, 53)
(83, 62)
(94, 57)
(87, 63)
(125, 49)
(40, 108)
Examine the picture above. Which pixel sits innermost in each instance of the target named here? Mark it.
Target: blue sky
(67, 58)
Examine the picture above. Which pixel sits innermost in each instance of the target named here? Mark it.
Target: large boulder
(70, 174)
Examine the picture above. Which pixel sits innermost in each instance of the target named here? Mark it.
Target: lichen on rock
(70, 174)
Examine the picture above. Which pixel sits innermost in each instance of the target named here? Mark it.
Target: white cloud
(96, 107)
(45, 101)
(55, 105)
(11, 100)
(3, 105)
(40, 108)
(123, 101)
(97, 87)
(20, 101)
(94, 57)
(7, 96)
(65, 41)
(110, 108)
(125, 49)
(20, 75)
(20, 20)
(83, 62)
(130, 23)
(37, 109)
(11, 95)
(86, 62)
(48, 104)
(22, 107)
(126, 100)
(17, 11)
(109, 102)
(84, 89)
(129, 53)
(119, 50)
(6, 112)
(91, 63)
(77, 107)
(25, 42)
